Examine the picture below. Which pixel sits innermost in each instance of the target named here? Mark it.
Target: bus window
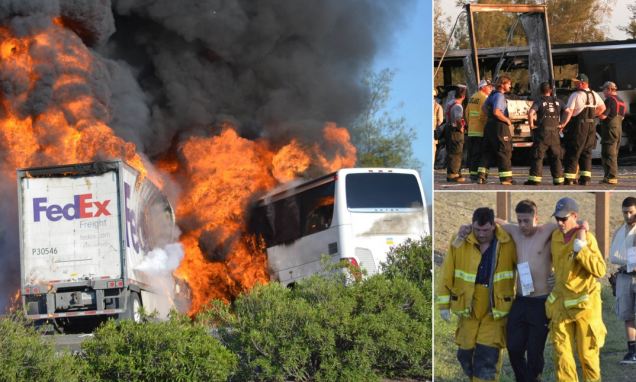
(317, 208)
(287, 220)
(383, 190)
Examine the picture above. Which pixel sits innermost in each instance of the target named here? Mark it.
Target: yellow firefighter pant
(481, 339)
(587, 335)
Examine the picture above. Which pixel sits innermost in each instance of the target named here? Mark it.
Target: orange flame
(220, 176)
(67, 131)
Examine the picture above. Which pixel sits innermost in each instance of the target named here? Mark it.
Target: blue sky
(411, 56)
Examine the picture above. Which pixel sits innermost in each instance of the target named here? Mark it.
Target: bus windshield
(383, 190)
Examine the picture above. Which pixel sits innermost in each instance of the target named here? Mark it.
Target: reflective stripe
(551, 298)
(463, 313)
(443, 299)
(569, 176)
(586, 173)
(505, 174)
(505, 275)
(475, 134)
(482, 169)
(474, 173)
(576, 301)
(468, 277)
(558, 180)
(498, 313)
(612, 181)
(534, 178)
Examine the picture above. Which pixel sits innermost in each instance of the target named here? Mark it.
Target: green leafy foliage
(411, 260)
(174, 350)
(25, 356)
(327, 329)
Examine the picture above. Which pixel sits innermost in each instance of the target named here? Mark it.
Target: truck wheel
(133, 309)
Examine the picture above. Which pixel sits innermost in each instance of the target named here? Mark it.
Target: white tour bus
(356, 214)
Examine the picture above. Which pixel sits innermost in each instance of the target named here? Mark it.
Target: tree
(381, 139)
(441, 29)
(630, 28)
(570, 21)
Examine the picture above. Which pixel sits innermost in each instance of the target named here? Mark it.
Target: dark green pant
(454, 151)
(611, 131)
(474, 154)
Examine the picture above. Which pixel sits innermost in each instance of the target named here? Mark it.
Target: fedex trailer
(84, 231)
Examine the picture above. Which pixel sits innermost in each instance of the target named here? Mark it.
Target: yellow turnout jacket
(456, 286)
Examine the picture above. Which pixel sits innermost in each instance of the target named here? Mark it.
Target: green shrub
(25, 356)
(173, 350)
(411, 260)
(324, 331)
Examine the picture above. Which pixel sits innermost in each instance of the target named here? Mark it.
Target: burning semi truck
(85, 234)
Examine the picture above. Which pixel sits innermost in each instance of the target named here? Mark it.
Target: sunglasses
(562, 220)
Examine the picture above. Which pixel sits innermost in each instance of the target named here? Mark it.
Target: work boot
(583, 181)
(531, 183)
(481, 180)
(508, 182)
(456, 179)
(609, 181)
(569, 182)
(630, 358)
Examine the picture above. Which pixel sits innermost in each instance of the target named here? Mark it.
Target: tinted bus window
(383, 190)
(291, 218)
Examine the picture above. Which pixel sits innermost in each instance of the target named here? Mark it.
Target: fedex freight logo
(81, 208)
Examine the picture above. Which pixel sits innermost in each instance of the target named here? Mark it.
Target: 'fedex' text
(81, 208)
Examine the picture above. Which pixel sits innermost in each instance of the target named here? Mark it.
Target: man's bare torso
(536, 251)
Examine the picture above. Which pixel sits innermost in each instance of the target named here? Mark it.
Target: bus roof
(300, 185)
(455, 57)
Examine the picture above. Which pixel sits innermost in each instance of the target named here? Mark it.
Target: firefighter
(478, 285)
(455, 125)
(580, 132)
(476, 119)
(574, 305)
(611, 130)
(497, 137)
(438, 118)
(545, 136)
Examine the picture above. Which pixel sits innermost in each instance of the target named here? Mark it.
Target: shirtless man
(527, 327)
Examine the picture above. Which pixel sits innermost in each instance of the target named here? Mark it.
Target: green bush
(411, 260)
(323, 330)
(25, 356)
(173, 350)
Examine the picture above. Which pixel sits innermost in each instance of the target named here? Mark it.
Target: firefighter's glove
(445, 314)
(578, 245)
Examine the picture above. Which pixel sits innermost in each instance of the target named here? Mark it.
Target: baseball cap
(609, 85)
(483, 83)
(565, 206)
(582, 78)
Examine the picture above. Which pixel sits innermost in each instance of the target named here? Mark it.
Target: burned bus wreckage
(541, 61)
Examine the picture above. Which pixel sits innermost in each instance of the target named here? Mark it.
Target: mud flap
(486, 362)
(465, 358)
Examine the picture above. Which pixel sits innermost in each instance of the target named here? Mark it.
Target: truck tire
(133, 309)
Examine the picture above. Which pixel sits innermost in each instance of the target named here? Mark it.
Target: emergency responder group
(567, 133)
(511, 286)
